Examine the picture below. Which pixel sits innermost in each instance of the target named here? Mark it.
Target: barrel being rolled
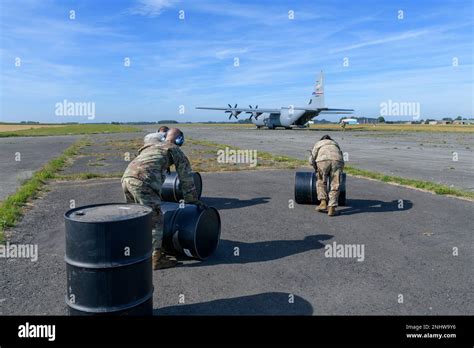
(171, 189)
(190, 231)
(108, 260)
(305, 188)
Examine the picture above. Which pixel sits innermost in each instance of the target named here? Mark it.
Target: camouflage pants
(136, 191)
(331, 170)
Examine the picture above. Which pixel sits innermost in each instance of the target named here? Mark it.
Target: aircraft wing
(255, 112)
(324, 110)
(336, 111)
(277, 111)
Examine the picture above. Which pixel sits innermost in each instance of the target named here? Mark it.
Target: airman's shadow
(233, 203)
(357, 206)
(234, 252)
(271, 303)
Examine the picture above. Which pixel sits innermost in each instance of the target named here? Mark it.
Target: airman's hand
(201, 205)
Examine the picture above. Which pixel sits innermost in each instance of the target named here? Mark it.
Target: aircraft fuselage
(286, 118)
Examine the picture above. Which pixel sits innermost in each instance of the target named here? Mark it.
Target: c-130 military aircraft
(286, 116)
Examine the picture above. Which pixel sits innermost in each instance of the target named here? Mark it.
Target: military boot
(332, 211)
(160, 261)
(323, 205)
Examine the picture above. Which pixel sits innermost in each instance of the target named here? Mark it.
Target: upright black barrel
(305, 188)
(108, 260)
(190, 231)
(171, 189)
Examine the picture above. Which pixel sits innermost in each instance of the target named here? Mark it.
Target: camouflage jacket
(326, 150)
(152, 162)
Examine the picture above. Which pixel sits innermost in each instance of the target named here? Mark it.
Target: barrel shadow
(270, 303)
(357, 206)
(233, 203)
(260, 251)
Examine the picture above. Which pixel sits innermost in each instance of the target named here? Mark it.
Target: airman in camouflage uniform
(329, 161)
(142, 181)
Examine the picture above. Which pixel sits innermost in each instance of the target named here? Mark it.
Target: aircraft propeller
(254, 113)
(234, 113)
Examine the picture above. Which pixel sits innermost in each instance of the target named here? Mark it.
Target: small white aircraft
(286, 116)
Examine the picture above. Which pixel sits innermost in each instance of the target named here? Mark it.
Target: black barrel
(190, 231)
(171, 190)
(305, 188)
(108, 260)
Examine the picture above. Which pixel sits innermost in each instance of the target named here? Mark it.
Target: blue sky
(190, 62)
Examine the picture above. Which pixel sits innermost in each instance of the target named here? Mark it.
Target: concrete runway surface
(408, 251)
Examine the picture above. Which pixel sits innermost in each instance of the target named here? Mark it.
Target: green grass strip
(11, 209)
(419, 184)
(73, 129)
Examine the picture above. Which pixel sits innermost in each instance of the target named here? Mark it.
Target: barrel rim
(314, 188)
(70, 211)
(218, 236)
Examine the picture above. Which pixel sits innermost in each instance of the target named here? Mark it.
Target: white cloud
(230, 53)
(400, 37)
(152, 8)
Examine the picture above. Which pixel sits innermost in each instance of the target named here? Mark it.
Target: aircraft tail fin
(317, 97)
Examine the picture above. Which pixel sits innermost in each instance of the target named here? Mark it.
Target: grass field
(439, 128)
(17, 127)
(7, 130)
